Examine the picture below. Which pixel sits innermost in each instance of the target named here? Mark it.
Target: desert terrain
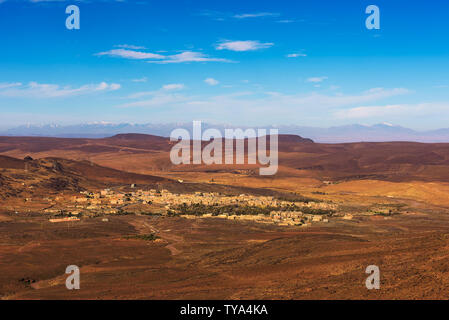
(383, 204)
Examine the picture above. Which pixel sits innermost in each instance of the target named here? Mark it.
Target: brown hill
(11, 163)
(143, 154)
(137, 141)
(19, 178)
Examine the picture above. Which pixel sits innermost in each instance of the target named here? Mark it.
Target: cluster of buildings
(281, 218)
(108, 201)
(296, 218)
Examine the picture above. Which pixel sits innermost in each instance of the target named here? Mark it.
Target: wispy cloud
(316, 79)
(246, 45)
(285, 21)
(144, 79)
(211, 81)
(164, 97)
(186, 56)
(165, 88)
(37, 90)
(131, 54)
(222, 16)
(9, 85)
(296, 55)
(129, 46)
(256, 15)
(189, 56)
(393, 110)
(173, 86)
(373, 111)
(297, 107)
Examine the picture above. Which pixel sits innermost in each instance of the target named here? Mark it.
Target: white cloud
(141, 94)
(157, 99)
(112, 86)
(420, 109)
(316, 79)
(222, 16)
(247, 45)
(9, 85)
(255, 15)
(261, 107)
(144, 79)
(173, 86)
(286, 21)
(211, 81)
(37, 90)
(296, 55)
(162, 91)
(189, 56)
(130, 46)
(186, 56)
(374, 111)
(131, 54)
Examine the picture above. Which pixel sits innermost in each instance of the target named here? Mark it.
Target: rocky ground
(220, 259)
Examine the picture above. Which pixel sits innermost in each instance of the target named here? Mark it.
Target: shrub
(146, 237)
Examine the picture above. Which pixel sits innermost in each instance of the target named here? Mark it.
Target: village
(262, 209)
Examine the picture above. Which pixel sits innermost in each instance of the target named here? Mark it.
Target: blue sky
(310, 63)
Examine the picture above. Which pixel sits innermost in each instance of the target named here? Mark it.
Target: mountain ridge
(382, 132)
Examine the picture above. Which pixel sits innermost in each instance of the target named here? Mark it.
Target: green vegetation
(121, 212)
(297, 198)
(150, 213)
(385, 214)
(387, 210)
(199, 209)
(146, 237)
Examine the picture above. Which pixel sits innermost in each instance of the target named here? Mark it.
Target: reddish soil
(220, 259)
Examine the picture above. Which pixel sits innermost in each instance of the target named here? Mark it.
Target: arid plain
(389, 203)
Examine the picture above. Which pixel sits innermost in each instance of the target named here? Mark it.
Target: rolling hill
(146, 154)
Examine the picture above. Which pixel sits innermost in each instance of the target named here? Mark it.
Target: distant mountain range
(339, 134)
